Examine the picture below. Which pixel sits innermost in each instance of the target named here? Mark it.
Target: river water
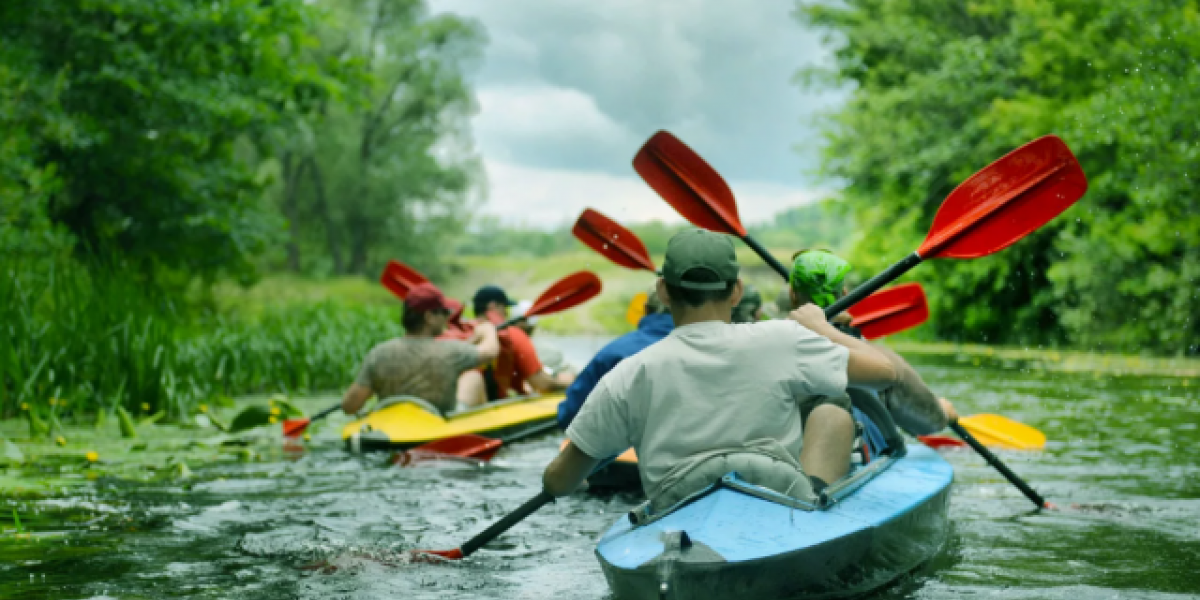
(324, 524)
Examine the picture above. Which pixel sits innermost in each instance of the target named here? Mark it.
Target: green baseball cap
(699, 249)
(818, 274)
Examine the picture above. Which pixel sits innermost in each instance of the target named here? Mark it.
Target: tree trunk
(322, 208)
(291, 208)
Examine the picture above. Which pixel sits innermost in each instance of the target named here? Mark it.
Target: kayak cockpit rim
(828, 497)
(433, 410)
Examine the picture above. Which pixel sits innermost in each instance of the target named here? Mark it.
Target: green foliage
(818, 225)
(130, 112)
(945, 87)
(384, 168)
(81, 340)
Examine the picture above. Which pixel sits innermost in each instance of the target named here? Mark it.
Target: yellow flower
(145, 407)
(203, 408)
(271, 419)
(53, 401)
(60, 440)
(24, 406)
(92, 456)
(308, 437)
(275, 410)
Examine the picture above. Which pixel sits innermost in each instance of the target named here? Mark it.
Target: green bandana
(819, 275)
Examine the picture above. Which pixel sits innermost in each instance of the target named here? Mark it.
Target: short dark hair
(694, 298)
(412, 320)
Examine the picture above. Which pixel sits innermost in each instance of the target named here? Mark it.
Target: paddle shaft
(885, 277)
(531, 506)
(999, 466)
(499, 527)
(766, 256)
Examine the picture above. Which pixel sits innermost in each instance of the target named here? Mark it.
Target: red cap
(426, 296)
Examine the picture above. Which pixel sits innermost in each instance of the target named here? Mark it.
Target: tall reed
(76, 341)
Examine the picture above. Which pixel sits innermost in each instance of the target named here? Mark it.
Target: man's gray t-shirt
(709, 386)
(418, 366)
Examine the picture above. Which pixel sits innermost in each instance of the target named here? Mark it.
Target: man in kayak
(652, 327)
(518, 365)
(713, 397)
(550, 357)
(420, 365)
(818, 277)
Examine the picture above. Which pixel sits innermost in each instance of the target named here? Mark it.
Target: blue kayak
(738, 540)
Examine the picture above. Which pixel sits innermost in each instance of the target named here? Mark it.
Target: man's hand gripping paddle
(988, 212)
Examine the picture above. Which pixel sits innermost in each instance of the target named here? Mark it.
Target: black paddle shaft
(499, 527)
(766, 256)
(531, 506)
(995, 462)
(885, 277)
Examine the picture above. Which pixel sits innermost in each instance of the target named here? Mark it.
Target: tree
(149, 102)
(944, 87)
(385, 168)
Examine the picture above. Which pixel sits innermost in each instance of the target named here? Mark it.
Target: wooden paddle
(988, 212)
(568, 292)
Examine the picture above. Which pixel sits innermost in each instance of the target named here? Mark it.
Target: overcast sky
(568, 91)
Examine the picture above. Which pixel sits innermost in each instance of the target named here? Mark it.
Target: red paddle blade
(570, 291)
(612, 241)
(428, 555)
(294, 427)
(399, 278)
(941, 441)
(688, 183)
(466, 446)
(891, 311)
(1004, 202)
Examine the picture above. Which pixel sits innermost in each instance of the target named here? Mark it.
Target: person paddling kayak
(818, 277)
(749, 309)
(518, 363)
(714, 397)
(420, 365)
(652, 327)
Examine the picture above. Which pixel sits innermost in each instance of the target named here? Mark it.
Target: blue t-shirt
(650, 329)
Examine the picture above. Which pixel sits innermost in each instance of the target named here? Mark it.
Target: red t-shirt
(518, 361)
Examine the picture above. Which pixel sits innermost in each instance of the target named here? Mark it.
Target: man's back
(709, 386)
(651, 329)
(418, 366)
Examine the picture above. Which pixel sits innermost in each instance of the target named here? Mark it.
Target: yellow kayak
(403, 422)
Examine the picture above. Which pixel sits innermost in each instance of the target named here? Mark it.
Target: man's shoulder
(411, 345)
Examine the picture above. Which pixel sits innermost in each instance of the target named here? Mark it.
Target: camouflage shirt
(418, 366)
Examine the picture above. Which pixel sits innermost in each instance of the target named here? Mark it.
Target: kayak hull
(736, 545)
(405, 423)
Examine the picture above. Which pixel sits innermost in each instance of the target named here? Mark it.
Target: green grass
(79, 342)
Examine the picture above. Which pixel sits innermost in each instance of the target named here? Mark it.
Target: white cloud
(547, 198)
(564, 125)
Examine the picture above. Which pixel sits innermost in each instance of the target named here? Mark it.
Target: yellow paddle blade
(637, 308)
(995, 430)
